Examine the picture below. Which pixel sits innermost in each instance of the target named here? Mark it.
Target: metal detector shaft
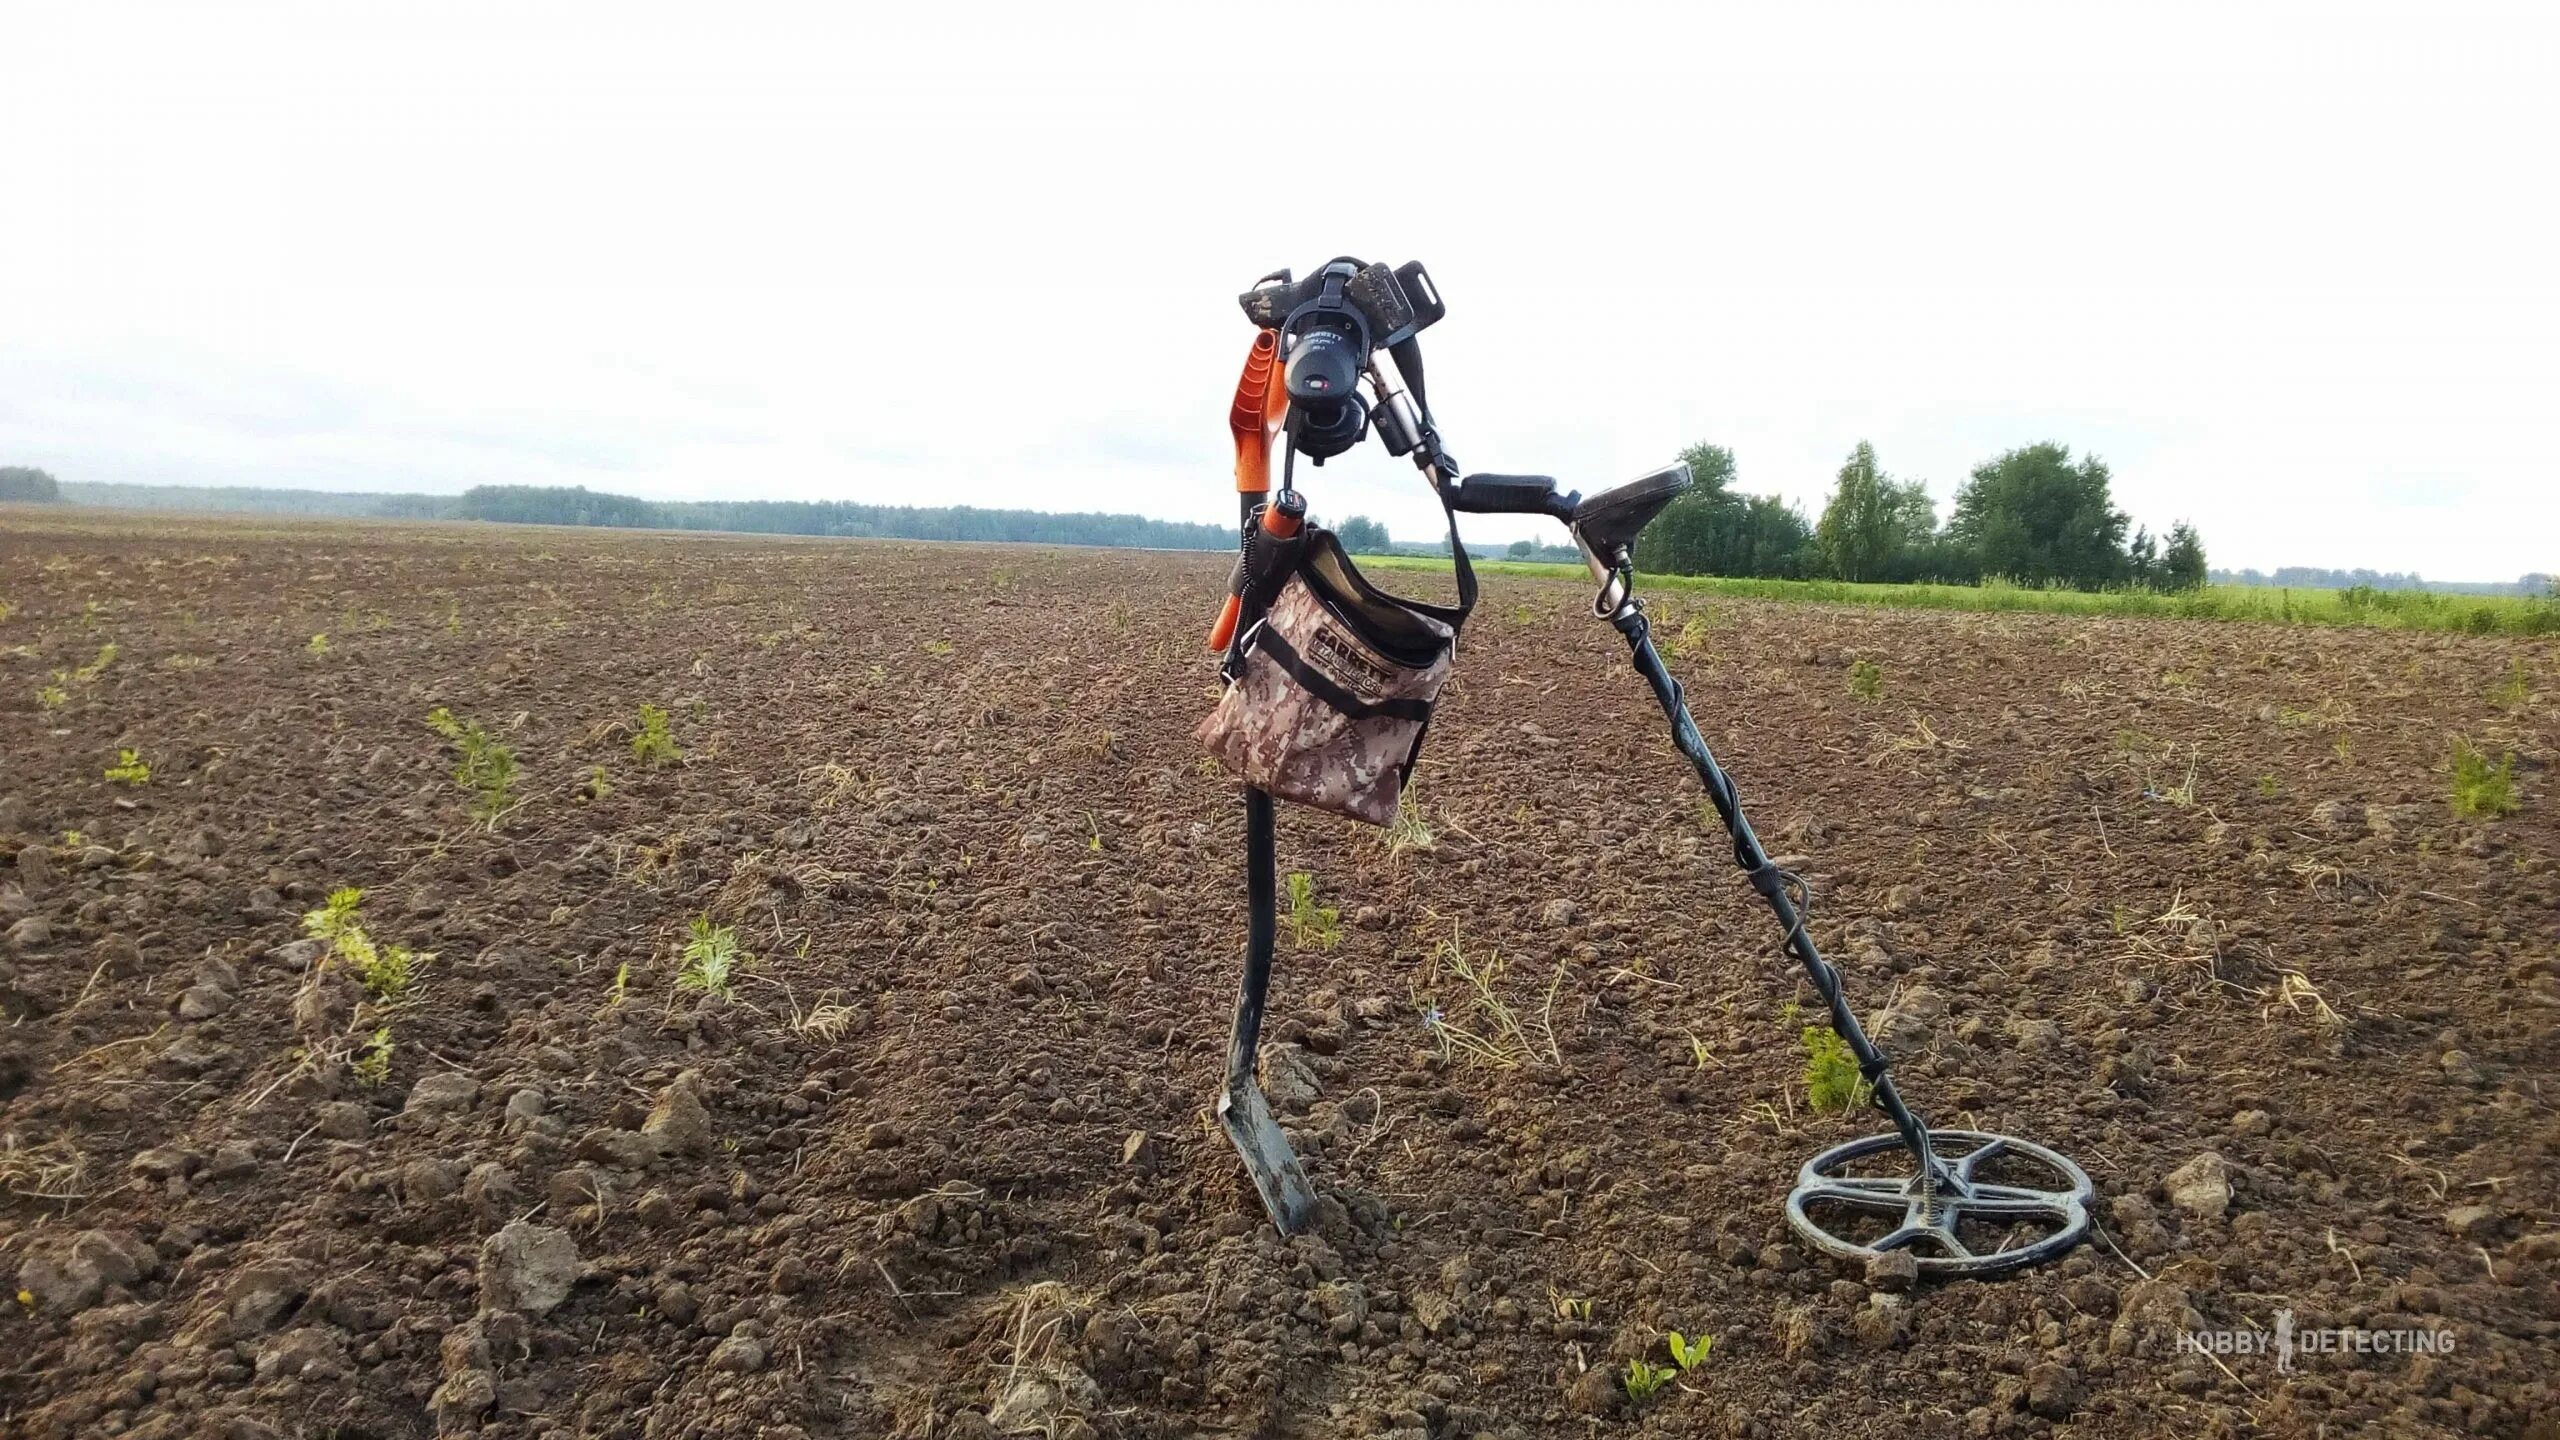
(1771, 882)
(1262, 923)
(1242, 1111)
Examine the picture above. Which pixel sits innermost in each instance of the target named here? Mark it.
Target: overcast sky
(2289, 270)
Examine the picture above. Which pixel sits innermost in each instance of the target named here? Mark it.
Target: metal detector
(1959, 1202)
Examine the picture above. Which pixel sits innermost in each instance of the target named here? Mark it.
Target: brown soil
(2139, 890)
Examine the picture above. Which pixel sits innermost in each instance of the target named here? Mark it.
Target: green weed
(488, 769)
(373, 1061)
(52, 697)
(387, 972)
(130, 769)
(1831, 1078)
(712, 958)
(620, 990)
(2481, 790)
(939, 648)
(97, 667)
(2515, 690)
(318, 649)
(1643, 1378)
(1689, 1354)
(654, 745)
(2267, 786)
(1866, 680)
(1692, 639)
(1311, 926)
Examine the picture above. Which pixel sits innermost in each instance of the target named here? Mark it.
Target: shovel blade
(1246, 1117)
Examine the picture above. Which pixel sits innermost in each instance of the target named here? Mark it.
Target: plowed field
(934, 1159)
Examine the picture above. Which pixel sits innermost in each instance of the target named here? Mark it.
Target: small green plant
(2516, 689)
(52, 697)
(1689, 1354)
(318, 649)
(1311, 926)
(7, 610)
(373, 1059)
(95, 668)
(386, 971)
(2267, 786)
(712, 958)
(620, 990)
(939, 648)
(488, 769)
(130, 769)
(1831, 1078)
(1643, 1378)
(1691, 640)
(1866, 680)
(2481, 790)
(653, 745)
(599, 784)
(1569, 1307)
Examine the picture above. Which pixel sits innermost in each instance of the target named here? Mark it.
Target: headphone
(1325, 346)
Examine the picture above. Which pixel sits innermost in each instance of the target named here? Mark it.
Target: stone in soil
(738, 1355)
(527, 1267)
(442, 1093)
(2054, 1391)
(678, 1123)
(2201, 1187)
(75, 1274)
(1288, 1082)
(1892, 1270)
(1595, 1392)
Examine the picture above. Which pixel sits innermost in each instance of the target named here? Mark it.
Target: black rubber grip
(1505, 495)
(1376, 292)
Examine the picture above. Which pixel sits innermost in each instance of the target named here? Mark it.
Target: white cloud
(2285, 267)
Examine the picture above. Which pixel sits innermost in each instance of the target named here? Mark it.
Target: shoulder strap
(1458, 554)
(1408, 357)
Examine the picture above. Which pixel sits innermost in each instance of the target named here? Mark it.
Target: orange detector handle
(1249, 417)
(1280, 522)
(1223, 634)
(1260, 398)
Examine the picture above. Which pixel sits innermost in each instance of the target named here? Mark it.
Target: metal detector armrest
(1510, 495)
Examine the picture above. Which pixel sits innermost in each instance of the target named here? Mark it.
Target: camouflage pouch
(1330, 685)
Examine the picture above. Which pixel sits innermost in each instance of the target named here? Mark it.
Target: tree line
(2033, 516)
(27, 484)
(577, 505)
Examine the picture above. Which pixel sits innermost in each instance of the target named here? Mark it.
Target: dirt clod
(2201, 1187)
(1893, 1270)
(528, 1268)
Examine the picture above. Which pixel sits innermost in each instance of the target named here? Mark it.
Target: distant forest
(2311, 577)
(577, 505)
